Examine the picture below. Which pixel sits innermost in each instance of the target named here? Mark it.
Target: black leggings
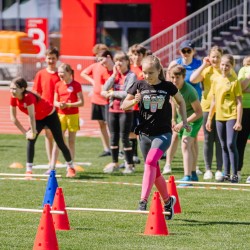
(53, 123)
(243, 136)
(120, 127)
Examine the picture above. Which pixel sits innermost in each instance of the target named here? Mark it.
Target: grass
(210, 219)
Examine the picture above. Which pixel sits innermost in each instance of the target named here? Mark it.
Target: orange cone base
(61, 221)
(46, 234)
(156, 224)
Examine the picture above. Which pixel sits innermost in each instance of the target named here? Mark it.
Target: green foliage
(211, 219)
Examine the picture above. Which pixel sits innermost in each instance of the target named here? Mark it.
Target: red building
(117, 23)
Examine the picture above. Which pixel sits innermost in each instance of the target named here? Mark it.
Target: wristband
(210, 118)
(134, 101)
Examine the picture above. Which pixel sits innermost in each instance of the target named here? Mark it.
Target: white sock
(29, 166)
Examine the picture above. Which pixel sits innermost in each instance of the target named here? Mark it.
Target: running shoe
(142, 205)
(71, 172)
(219, 176)
(194, 176)
(110, 168)
(185, 178)
(248, 180)
(208, 175)
(169, 207)
(234, 179)
(136, 160)
(129, 169)
(167, 169)
(105, 153)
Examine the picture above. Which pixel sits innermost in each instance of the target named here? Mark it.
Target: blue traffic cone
(50, 189)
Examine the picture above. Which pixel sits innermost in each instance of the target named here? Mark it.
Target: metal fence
(27, 65)
(200, 27)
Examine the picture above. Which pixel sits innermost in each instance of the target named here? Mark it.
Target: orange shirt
(68, 93)
(100, 74)
(44, 84)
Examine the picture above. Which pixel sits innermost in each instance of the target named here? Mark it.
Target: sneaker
(234, 179)
(136, 160)
(208, 175)
(219, 176)
(169, 207)
(248, 180)
(198, 171)
(121, 155)
(122, 165)
(194, 176)
(105, 153)
(167, 169)
(239, 176)
(185, 178)
(71, 172)
(28, 175)
(110, 168)
(142, 205)
(226, 178)
(129, 169)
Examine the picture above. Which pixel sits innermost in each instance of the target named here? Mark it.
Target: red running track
(87, 126)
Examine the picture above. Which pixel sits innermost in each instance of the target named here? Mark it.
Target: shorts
(195, 128)
(135, 120)
(69, 122)
(99, 112)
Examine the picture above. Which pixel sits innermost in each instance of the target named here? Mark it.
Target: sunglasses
(186, 51)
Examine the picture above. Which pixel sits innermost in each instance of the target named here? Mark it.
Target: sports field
(217, 218)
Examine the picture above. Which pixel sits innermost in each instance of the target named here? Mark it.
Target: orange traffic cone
(172, 190)
(46, 234)
(61, 221)
(156, 224)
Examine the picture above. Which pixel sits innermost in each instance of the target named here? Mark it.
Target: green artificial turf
(210, 218)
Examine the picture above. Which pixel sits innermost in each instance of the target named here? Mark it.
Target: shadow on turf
(206, 223)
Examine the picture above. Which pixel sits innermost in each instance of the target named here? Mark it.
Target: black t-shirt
(155, 112)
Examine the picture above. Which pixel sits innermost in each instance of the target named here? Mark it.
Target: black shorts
(99, 112)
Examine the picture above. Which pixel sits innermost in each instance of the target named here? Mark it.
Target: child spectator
(227, 101)
(67, 98)
(194, 118)
(120, 121)
(44, 85)
(97, 73)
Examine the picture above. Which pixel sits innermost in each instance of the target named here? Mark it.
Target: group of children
(137, 99)
(52, 105)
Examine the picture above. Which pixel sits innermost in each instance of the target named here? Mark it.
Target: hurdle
(213, 183)
(78, 209)
(110, 210)
(28, 210)
(27, 175)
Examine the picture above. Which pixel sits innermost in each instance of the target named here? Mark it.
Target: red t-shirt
(99, 74)
(42, 107)
(68, 93)
(44, 84)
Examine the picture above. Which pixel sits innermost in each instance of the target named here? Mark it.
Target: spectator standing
(67, 98)
(243, 135)
(190, 63)
(227, 101)
(194, 118)
(120, 121)
(97, 73)
(44, 85)
(209, 69)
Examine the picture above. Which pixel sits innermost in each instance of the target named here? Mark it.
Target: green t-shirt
(243, 73)
(189, 95)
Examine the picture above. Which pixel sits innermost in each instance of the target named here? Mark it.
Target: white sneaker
(110, 168)
(198, 172)
(219, 176)
(208, 175)
(129, 169)
(167, 169)
(248, 180)
(239, 176)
